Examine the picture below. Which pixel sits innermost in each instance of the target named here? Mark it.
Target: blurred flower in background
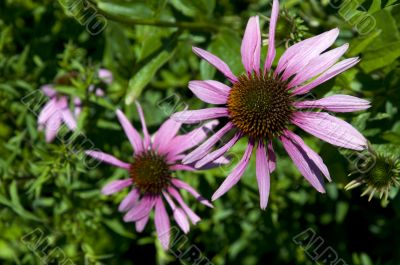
(58, 110)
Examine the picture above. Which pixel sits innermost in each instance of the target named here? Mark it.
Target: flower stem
(157, 23)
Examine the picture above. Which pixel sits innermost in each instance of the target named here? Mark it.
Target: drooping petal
(141, 224)
(335, 103)
(330, 129)
(194, 218)
(141, 209)
(196, 116)
(161, 220)
(183, 185)
(216, 62)
(53, 124)
(304, 164)
(300, 54)
(210, 91)
(312, 155)
(48, 110)
(184, 142)
(146, 140)
(263, 174)
(179, 215)
(132, 134)
(271, 157)
(69, 119)
(236, 174)
(271, 36)
(318, 65)
(251, 46)
(108, 159)
(129, 201)
(165, 134)
(329, 74)
(219, 152)
(203, 149)
(115, 186)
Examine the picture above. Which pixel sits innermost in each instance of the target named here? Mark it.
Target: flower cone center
(260, 106)
(150, 172)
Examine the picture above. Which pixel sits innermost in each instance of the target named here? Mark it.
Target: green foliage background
(47, 187)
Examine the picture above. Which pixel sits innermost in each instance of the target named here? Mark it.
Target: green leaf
(143, 77)
(127, 9)
(381, 57)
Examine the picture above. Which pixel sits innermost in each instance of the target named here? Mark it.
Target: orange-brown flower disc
(260, 106)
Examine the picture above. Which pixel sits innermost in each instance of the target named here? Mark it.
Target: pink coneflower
(56, 111)
(264, 103)
(151, 175)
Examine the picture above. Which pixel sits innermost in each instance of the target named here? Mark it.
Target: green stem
(156, 23)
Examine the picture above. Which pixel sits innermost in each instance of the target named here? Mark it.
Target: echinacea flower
(265, 104)
(56, 111)
(151, 175)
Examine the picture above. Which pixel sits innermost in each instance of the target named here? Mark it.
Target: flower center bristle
(150, 172)
(260, 106)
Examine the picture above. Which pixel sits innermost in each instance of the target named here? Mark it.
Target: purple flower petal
(179, 215)
(115, 186)
(129, 201)
(319, 65)
(181, 143)
(304, 164)
(53, 124)
(311, 154)
(218, 153)
(108, 159)
(194, 218)
(335, 103)
(48, 90)
(105, 75)
(196, 116)
(330, 129)
(78, 107)
(332, 72)
(146, 135)
(300, 54)
(141, 224)
(236, 174)
(165, 134)
(131, 133)
(251, 45)
(216, 62)
(141, 209)
(69, 119)
(203, 149)
(161, 220)
(210, 91)
(48, 110)
(182, 168)
(271, 158)
(183, 185)
(263, 174)
(271, 36)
